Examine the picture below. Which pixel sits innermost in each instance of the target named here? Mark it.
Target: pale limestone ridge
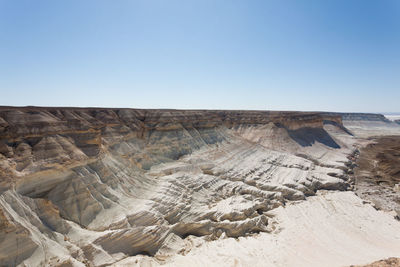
(95, 186)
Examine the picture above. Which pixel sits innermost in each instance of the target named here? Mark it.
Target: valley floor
(330, 229)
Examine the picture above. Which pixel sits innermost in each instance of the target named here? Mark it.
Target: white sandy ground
(393, 117)
(330, 229)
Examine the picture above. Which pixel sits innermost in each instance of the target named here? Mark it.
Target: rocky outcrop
(363, 117)
(377, 174)
(390, 262)
(330, 229)
(92, 186)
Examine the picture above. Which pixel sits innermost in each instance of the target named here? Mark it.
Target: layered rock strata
(92, 186)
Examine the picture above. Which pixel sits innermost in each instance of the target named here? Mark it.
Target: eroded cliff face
(369, 125)
(94, 186)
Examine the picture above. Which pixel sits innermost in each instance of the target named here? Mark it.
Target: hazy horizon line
(174, 108)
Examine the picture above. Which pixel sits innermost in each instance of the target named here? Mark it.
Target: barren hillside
(95, 187)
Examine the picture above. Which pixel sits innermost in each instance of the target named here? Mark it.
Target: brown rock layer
(39, 139)
(377, 175)
(391, 262)
(94, 185)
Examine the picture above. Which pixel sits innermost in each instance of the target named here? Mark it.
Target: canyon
(126, 187)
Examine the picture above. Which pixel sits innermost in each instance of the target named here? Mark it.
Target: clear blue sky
(214, 54)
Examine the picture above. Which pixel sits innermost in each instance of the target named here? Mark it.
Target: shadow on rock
(308, 136)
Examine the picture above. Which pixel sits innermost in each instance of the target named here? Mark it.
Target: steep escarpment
(369, 124)
(94, 186)
(364, 117)
(40, 139)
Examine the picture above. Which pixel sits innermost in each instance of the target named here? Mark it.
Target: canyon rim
(126, 187)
